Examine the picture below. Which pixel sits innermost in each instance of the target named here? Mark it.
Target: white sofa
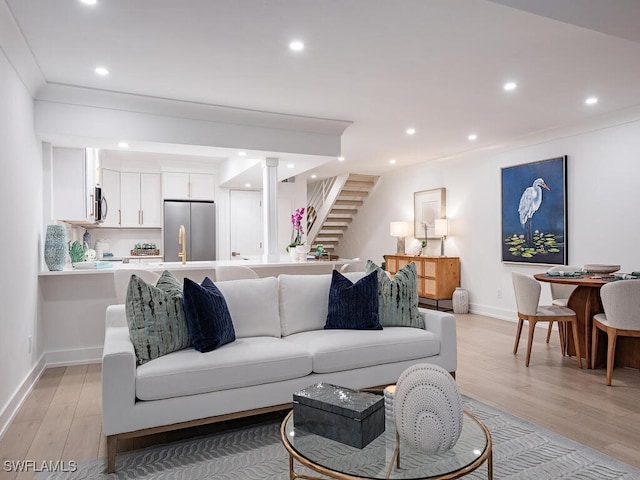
(280, 347)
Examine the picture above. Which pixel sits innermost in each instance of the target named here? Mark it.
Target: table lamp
(400, 230)
(441, 230)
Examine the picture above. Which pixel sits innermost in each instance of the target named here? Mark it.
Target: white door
(245, 223)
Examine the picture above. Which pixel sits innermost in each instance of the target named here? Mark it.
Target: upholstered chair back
(560, 291)
(527, 291)
(621, 302)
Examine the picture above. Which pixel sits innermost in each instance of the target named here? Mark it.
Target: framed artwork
(534, 212)
(428, 205)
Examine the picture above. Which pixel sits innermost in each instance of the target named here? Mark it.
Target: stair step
(337, 222)
(340, 201)
(345, 209)
(353, 193)
(339, 216)
(360, 177)
(358, 185)
(331, 233)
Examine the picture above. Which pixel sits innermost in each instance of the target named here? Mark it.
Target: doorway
(245, 223)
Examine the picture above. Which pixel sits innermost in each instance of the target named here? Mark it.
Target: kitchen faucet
(182, 240)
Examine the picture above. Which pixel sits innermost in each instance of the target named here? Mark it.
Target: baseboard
(488, 311)
(12, 408)
(79, 356)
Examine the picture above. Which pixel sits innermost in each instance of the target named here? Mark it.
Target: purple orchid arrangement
(297, 230)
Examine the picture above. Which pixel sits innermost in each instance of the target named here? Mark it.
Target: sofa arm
(443, 325)
(118, 380)
(116, 316)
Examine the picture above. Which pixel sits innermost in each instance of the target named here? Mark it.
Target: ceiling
(437, 66)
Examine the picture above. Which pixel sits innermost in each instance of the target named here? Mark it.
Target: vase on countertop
(55, 247)
(460, 300)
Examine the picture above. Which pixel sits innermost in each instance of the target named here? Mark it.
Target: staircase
(332, 207)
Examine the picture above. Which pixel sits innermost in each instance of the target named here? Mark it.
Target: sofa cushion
(156, 320)
(304, 301)
(398, 297)
(245, 362)
(253, 304)
(337, 350)
(353, 305)
(208, 318)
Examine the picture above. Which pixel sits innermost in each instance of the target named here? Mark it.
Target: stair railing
(321, 202)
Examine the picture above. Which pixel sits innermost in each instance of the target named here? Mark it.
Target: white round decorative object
(460, 300)
(428, 408)
(414, 247)
(90, 255)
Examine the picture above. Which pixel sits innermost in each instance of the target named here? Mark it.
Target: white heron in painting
(530, 202)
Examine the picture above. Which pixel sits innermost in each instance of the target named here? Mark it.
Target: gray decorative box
(339, 413)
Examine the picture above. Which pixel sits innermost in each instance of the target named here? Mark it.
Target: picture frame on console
(428, 205)
(534, 212)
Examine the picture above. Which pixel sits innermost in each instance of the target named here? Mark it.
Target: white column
(270, 208)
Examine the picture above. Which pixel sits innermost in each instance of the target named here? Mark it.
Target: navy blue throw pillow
(208, 317)
(353, 305)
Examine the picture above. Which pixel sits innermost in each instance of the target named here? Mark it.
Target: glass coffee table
(384, 458)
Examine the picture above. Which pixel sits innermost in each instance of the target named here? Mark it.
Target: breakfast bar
(73, 301)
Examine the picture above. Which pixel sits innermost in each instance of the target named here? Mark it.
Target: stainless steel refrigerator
(199, 220)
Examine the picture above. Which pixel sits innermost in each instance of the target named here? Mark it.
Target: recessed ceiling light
(472, 137)
(89, 2)
(248, 185)
(341, 159)
(296, 46)
(242, 154)
(102, 71)
(314, 176)
(290, 165)
(591, 100)
(510, 86)
(392, 161)
(123, 144)
(411, 131)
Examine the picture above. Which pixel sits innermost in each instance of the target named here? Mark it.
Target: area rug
(521, 450)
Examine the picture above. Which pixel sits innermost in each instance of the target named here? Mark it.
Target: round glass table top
(374, 460)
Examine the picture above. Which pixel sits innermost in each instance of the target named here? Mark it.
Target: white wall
(603, 177)
(21, 240)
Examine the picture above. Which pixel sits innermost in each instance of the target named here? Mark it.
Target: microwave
(100, 206)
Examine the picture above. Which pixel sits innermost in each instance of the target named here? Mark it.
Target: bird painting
(530, 202)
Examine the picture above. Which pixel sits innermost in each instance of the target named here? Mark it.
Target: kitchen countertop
(255, 263)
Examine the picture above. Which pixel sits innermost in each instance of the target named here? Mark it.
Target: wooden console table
(438, 277)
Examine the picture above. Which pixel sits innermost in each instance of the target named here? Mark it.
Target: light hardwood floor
(61, 418)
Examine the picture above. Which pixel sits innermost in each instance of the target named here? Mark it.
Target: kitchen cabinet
(140, 200)
(438, 277)
(110, 183)
(188, 186)
(73, 175)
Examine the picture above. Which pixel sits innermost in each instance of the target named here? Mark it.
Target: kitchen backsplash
(121, 240)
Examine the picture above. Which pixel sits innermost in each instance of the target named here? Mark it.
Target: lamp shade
(399, 229)
(441, 227)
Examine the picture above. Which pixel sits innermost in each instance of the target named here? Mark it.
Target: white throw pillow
(304, 301)
(253, 305)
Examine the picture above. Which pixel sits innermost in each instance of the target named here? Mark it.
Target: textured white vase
(460, 300)
(428, 408)
(55, 247)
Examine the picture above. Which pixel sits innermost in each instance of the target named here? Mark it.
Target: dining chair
(560, 296)
(621, 318)
(527, 292)
(234, 272)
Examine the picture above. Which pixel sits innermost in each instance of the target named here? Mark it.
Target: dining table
(585, 301)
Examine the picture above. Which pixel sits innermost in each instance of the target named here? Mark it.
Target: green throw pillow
(398, 298)
(155, 315)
